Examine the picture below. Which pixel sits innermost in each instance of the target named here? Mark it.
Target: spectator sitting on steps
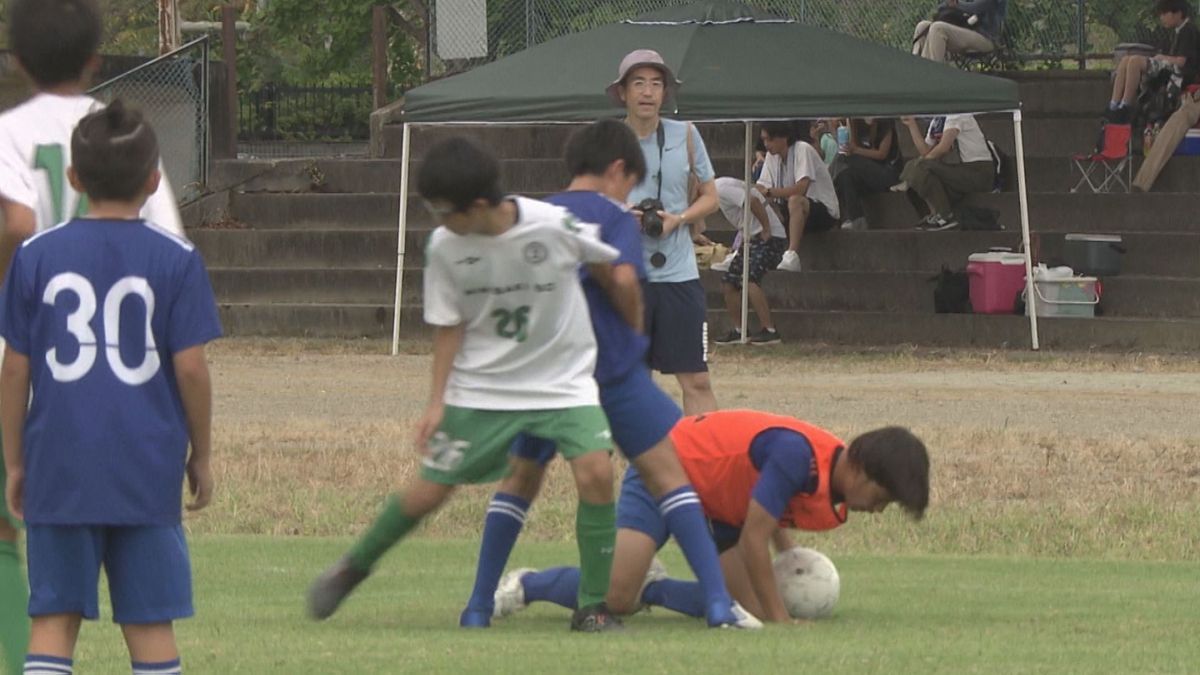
(1177, 58)
(871, 165)
(768, 240)
(936, 39)
(1167, 140)
(954, 162)
(796, 181)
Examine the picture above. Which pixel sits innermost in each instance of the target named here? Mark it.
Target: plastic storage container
(996, 281)
(1069, 297)
(1190, 145)
(1097, 255)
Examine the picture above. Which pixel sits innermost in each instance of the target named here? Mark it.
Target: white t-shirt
(529, 342)
(35, 151)
(802, 161)
(732, 194)
(972, 144)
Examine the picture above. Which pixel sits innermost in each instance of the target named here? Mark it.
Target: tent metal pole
(401, 229)
(746, 215)
(1030, 306)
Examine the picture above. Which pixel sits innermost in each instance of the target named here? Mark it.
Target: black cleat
(595, 619)
(332, 587)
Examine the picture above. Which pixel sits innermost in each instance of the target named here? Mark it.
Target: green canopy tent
(736, 64)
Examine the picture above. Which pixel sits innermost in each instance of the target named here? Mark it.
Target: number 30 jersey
(35, 151)
(100, 307)
(528, 342)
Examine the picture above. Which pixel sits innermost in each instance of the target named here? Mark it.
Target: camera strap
(661, 133)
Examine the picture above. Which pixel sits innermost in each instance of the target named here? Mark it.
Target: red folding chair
(1110, 168)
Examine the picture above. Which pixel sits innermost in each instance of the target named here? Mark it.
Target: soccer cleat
(656, 572)
(790, 262)
(732, 616)
(510, 593)
(731, 338)
(595, 619)
(332, 587)
(766, 337)
(473, 618)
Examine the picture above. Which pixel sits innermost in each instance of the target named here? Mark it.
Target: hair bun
(115, 114)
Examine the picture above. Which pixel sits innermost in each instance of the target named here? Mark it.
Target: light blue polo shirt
(681, 257)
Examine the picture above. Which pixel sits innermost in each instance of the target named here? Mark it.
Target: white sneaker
(745, 620)
(656, 572)
(857, 224)
(722, 266)
(899, 187)
(790, 262)
(510, 594)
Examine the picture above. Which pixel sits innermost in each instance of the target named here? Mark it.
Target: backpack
(951, 292)
(977, 218)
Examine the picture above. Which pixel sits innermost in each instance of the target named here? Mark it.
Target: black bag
(978, 218)
(951, 292)
(1004, 171)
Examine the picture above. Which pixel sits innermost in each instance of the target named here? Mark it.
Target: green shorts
(4, 514)
(471, 446)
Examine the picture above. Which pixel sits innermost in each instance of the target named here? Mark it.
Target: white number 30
(78, 325)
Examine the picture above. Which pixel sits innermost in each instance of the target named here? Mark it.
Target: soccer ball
(808, 582)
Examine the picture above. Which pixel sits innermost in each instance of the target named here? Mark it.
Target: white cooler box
(1070, 296)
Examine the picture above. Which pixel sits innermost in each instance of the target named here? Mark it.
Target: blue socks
(559, 585)
(37, 664)
(501, 527)
(161, 668)
(685, 521)
(684, 597)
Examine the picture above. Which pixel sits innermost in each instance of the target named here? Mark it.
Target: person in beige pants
(933, 40)
(1169, 138)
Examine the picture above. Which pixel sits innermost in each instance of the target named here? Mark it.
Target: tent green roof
(735, 62)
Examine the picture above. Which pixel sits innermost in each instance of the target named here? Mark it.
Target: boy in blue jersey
(106, 318)
(606, 162)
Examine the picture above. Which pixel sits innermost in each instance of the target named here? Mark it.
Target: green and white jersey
(35, 151)
(529, 342)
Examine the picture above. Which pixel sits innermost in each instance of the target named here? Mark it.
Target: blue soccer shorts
(637, 510)
(149, 574)
(639, 414)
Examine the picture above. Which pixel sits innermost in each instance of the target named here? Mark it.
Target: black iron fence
(280, 120)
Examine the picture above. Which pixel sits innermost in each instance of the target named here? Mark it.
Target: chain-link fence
(465, 33)
(172, 92)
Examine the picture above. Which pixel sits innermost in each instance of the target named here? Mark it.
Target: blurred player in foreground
(605, 162)
(755, 473)
(513, 352)
(106, 318)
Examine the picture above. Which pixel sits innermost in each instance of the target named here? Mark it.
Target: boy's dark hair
(54, 39)
(897, 460)
(592, 149)
(114, 151)
(460, 171)
(780, 130)
(1172, 6)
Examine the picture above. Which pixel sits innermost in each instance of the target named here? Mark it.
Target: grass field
(1061, 536)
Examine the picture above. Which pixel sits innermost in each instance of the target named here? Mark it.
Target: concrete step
(1062, 91)
(273, 210)
(912, 292)
(314, 320)
(975, 331)
(306, 175)
(312, 285)
(1049, 212)
(344, 248)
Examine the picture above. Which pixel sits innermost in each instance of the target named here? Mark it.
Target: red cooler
(997, 280)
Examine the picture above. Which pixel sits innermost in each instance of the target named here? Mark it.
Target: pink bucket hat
(637, 59)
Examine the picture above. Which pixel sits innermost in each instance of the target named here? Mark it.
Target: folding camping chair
(1112, 166)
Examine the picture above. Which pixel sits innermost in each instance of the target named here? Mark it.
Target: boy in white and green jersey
(513, 352)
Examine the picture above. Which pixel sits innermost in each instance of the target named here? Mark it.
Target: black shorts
(819, 218)
(677, 325)
(764, 257)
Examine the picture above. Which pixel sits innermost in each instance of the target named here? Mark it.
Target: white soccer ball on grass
(808, 582)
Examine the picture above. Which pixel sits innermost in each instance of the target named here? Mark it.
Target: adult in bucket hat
(674, 299)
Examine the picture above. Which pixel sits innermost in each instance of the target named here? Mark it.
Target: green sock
(595, 532)
(390, 527)
(14, 609)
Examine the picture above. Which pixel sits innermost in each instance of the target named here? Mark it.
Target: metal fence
(465, 33)
(172, 92)
(286, 120)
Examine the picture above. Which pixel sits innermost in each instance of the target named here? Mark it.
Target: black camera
(652, 223)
